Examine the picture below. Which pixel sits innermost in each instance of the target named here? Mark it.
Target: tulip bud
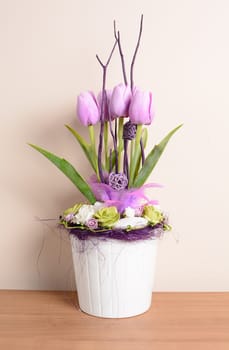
(141, 109)
(120, 101)
(88, 110)
(106, 104)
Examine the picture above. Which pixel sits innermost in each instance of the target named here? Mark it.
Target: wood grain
(52, 320)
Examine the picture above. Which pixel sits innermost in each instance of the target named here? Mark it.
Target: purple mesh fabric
(124, 235)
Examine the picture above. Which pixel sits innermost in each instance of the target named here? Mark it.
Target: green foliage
(86, 147)
(144, 141)
(70, 172)
(152, 159)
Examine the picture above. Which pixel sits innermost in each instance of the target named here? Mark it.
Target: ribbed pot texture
(114, 278)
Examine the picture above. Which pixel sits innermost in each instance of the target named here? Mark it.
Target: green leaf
(144, 137)
(135, 155)
(113, 155)
(144, 140)
(85, 147)
(70, 172)
(152, 159)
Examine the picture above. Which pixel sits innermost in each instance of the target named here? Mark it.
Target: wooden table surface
(52, 320)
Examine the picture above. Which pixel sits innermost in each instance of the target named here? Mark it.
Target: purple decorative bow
(133, 198)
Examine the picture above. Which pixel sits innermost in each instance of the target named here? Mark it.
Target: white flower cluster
(130, 219)
(131, 222)
(86, 212)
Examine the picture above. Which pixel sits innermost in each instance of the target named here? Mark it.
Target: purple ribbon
(134, 197)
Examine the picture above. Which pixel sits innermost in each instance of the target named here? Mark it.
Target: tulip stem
(100, 148)
(92, 139)
(115, 145)
(136, 153)
(117, 37)
(120, 141)
(131, 157)
(106, 145)
(134, 56)
(132, 145)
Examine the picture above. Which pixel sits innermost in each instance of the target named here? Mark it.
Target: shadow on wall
(46, 192)
(52, 258)
(53, 190)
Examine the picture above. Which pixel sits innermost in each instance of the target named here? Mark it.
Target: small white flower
(98, 205)
(133, 222)
(129, 212)
(84, 214)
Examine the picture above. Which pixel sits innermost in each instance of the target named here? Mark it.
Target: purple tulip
(141, 109)
(120, 101)
(88, 110)
(107, 104)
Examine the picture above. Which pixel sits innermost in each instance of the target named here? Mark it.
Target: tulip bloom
(120, 101)
(88, 110)
(141, 109)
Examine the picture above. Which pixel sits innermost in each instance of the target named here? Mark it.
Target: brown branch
(142, 151)
(117, 37)
(100, 148)
(134, 56)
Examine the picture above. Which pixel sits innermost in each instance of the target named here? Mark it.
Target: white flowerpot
(114, 278)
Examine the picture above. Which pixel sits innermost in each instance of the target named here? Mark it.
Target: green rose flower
(107, 217)
(153, 215)
(72, 210)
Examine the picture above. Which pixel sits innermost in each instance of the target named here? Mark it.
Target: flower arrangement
(116, 191)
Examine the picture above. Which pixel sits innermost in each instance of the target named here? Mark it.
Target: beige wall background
(47, 57)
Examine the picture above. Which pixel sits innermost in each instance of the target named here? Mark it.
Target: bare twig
(125, 160)
(117, 37)
(134, 56)
(109, 58)
(142, 151)
(116, 130)
(102, 117)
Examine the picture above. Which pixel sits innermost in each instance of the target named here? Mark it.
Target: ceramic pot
(114, 278)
